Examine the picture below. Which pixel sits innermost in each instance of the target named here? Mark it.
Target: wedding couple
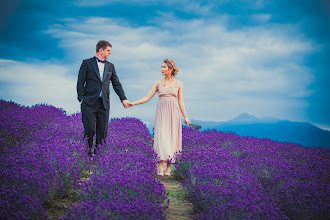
(93, 89)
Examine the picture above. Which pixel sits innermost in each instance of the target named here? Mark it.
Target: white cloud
(258, 70)
(30, 84)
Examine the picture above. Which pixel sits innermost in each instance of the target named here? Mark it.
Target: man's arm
(117, 86)
(81, 81)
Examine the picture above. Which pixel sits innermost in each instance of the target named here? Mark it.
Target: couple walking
(93, 92)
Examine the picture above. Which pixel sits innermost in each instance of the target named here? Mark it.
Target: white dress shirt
(101, 70)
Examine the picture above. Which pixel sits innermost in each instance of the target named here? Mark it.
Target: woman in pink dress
(168, 129)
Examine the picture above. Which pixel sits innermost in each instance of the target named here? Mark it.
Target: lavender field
(44, 161)
(233, 177)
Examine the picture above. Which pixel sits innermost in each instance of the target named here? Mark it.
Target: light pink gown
(168, 129)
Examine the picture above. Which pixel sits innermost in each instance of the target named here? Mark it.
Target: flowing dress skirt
(168, 129)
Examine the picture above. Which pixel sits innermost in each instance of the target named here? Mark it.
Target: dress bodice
(168, 90)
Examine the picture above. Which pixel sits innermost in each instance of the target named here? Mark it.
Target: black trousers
(95, 116)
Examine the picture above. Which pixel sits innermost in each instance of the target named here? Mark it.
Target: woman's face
(165, 69)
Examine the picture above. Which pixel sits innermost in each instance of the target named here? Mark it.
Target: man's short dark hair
(102, 44)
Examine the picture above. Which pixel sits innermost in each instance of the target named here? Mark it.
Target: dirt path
(180, 206)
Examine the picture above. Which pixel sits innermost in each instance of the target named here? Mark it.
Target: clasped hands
(127, 104)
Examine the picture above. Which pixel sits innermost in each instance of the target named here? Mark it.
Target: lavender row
(229, 176)
(43, 154)
(42, 157)
(123, 184)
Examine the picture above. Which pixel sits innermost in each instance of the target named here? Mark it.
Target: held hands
(127, 104)
(130, 104)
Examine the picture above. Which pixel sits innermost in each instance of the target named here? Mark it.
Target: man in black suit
(93, 89)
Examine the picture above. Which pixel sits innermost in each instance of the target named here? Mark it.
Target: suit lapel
(96, 68)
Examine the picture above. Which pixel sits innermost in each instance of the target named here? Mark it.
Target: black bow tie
(102, 61)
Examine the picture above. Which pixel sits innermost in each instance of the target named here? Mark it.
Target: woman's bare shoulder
(179, 82)
(157, 82)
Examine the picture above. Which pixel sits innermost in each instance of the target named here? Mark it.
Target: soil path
(180, 207)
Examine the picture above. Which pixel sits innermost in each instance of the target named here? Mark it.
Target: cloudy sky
(261, 57)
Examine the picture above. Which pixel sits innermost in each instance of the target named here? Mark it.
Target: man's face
(106, 52)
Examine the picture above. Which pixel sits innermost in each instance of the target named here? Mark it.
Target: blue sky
(265, 58)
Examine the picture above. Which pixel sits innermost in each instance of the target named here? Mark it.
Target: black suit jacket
(89, 84)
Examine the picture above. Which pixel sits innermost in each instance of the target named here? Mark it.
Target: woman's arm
(147, 97)
(181, 105)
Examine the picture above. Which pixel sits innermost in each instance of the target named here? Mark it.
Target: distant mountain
(281, 130)
(243, 118)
